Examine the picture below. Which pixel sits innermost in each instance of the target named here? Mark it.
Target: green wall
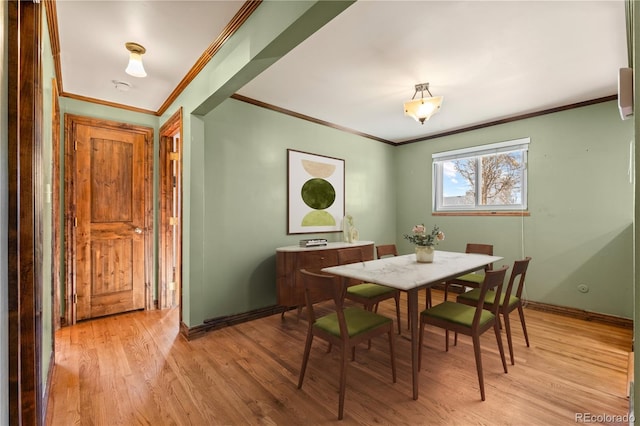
(245, 200)
(580, 198)
(580, 230)
(269, 33)
(48, 73)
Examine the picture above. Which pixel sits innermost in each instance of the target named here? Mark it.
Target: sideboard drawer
(317, 259)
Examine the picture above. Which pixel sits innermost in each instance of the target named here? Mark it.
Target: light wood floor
(135, 369)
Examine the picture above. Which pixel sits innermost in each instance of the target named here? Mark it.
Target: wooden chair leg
(305, 358)
(500, 347)
(420, 345)
(408, 316)
(507, 329)
(524, 327)
(476, 350)
(372, 308)
(343, 382)
(428, 298)
(397, 298)
(392, 356)
(446, 291)
(446, 340)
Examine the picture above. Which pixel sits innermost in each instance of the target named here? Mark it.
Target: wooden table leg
(412, 296)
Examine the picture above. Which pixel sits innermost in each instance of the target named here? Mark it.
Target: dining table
(405, 273)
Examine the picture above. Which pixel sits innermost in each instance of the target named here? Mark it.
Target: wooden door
(110, 220)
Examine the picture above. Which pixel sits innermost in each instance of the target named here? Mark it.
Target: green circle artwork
(318, 194)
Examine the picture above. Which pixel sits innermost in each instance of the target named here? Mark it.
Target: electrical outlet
(583, 288)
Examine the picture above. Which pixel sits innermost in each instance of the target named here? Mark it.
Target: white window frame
(478, 151)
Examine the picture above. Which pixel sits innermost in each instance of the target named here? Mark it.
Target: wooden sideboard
(290, 259)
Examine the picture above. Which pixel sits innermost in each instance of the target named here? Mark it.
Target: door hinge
(75, 145)
(75, 222)
(74, 298)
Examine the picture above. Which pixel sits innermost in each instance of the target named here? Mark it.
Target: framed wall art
(315, 193)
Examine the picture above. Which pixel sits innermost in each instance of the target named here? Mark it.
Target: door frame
(71, 121)
(56, 237)
(25, 213)
(167, 131)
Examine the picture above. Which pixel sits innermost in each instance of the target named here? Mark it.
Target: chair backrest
(350, 255)
(320, 288)
(493, 280)
(518, 273)
(386, 250)
(481, 249)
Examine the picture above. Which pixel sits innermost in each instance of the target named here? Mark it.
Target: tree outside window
(488, 179)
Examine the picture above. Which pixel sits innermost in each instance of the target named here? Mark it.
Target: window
(484, 178)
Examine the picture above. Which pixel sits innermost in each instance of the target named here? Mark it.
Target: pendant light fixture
(422, 109)
(135, 67)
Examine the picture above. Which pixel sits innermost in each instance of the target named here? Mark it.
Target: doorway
(170, 235)
(108, 212)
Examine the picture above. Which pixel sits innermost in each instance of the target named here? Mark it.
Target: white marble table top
(405, 273)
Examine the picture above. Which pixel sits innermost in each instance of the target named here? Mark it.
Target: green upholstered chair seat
(472, 277)
(457, 313)
(490, 298)
(358, 321)
(369, 290)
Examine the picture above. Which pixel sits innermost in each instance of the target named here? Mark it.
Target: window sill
(483, 213)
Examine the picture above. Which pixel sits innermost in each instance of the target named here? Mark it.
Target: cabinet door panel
(288, 264)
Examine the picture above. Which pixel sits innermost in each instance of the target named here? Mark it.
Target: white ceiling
(489, 59)
(92, 35)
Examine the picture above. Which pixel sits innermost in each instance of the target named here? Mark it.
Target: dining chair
(473, 279)
(507, 302)
(468, 320)
(369, 294)
(385, 250)
(343, 327)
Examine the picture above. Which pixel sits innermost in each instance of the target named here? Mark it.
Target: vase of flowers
(424, 242)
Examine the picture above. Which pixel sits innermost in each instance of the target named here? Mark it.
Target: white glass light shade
(422, 109)
(135, 67)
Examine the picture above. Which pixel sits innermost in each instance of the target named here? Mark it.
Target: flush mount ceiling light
(135, 67)
(422, 109)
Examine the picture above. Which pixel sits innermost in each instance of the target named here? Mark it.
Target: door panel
(111, 177)
(110, 214)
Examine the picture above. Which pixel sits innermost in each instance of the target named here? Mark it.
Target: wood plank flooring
(135, 369)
